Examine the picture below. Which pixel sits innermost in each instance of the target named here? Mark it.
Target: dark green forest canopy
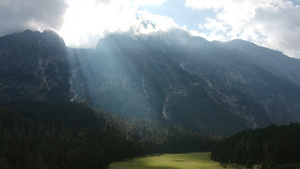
(68, 135)
(273, 147)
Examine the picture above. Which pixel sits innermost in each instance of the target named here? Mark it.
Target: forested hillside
(38, 135)
(275, 147)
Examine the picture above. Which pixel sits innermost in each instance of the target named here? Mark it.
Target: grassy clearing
(172, 161)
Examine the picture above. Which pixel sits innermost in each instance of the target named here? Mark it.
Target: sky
(271, 23)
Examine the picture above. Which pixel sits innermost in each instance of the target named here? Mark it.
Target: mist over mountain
(171, 77)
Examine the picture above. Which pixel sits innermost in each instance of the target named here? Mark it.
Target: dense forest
(38, 135)
(275, 147)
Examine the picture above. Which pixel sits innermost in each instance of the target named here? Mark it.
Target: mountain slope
(172, 77)
(33, 67)
(271, 60)
(138, 78)
(250, 90)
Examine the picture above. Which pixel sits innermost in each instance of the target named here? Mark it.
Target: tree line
(39, 135)
(274, 147)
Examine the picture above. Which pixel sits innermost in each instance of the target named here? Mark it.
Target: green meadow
(173, 161)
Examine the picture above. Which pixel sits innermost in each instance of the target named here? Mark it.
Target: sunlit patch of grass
(173, 161)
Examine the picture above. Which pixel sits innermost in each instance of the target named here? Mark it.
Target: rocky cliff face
(211, 86)
(33, 67)
(258, 86)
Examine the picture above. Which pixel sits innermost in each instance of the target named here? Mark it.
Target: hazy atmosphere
(271, 23)
(131, 84)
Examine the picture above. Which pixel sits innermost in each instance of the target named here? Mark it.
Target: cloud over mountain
(271, 23)
(18, 15)
(90, 20)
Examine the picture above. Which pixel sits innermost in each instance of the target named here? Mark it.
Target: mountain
(172, 77)
(33, 67)
(138, 77)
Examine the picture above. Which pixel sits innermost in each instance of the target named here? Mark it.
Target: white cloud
(80, 22)
(18, 15)
(133, 3)
(87, 21)
(215, 26)
(138, 3)
(206, 4)
(281, 25)
(162, 23)
(271, 23)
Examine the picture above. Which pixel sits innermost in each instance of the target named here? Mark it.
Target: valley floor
(173, 161)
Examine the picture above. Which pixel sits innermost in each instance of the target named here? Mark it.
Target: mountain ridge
(173, 77)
